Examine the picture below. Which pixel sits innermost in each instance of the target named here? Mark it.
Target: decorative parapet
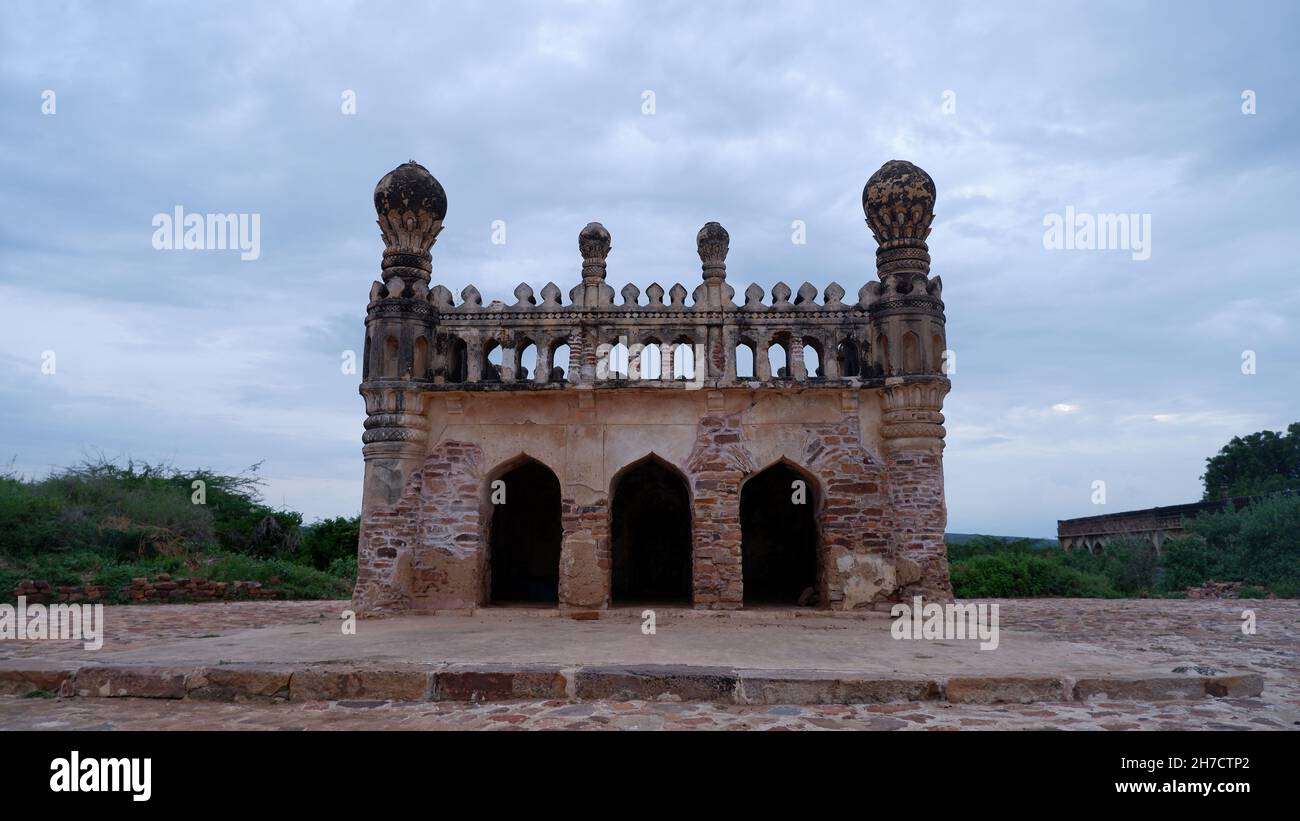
(425, 337)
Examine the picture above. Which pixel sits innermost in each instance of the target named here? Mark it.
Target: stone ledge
(37, 677)
(653, 682)
(470, 682)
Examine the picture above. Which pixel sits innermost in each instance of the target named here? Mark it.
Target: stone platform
(1050, 651)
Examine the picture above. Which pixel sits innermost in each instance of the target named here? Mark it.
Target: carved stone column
(410, 205)
(898, 202)
(912, 433)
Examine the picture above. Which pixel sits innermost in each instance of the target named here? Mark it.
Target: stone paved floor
(1158, 632)
(155, 714)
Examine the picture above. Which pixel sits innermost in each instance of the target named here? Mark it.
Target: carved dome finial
(594, 244)
(712, 243)
(899, 203)
(411, 205)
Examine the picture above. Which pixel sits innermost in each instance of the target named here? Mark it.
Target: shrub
(987, 545)
(328, 540)
(1258, 545)
(1019, 574)
(1130, 565)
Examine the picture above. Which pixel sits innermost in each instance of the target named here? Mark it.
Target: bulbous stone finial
(411, 205)
(712, 243)
(594, 243)
(899, 203)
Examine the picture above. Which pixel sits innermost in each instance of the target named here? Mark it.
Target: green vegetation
(1258, 546)
(1263, 462)
(104, 523)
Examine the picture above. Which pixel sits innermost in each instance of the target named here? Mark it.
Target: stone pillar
(898, 202)
(473, 360)
(912, 434)
(508, 363)
(797, 368)
(410, 204)
(717, 465)
(762, 364)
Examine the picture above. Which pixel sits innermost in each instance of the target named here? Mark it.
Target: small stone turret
(410, 205)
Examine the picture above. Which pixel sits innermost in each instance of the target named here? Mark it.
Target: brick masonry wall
(586, 557)
(880, 526)
(163, 588)
(717, 465)
(920, 517)
(423, 552)
(856, 555)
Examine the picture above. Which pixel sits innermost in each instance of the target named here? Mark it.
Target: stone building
(1154, 524)
(707, 453)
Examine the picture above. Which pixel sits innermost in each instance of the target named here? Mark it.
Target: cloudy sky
(1072, 365)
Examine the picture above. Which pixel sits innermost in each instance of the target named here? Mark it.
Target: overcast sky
(1072, 365)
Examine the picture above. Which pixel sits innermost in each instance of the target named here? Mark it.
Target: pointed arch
(780, 539)
(524, 532)
(650, 532)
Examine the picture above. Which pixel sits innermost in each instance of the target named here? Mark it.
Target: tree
(1263, 462)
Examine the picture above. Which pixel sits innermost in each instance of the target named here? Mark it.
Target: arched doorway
(526, 534)
(778, 527)
(650, 532)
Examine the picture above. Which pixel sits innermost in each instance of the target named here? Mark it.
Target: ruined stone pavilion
(669, 460)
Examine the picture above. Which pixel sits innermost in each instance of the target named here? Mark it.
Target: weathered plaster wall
(880, 517)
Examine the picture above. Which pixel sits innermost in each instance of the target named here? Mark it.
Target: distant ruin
(659, 465)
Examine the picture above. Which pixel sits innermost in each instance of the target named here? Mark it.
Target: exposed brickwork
(855, 559)
(880, 526)
(717, 466)
(585, 557)
(424, 552)
(163, 588)
(920, 515)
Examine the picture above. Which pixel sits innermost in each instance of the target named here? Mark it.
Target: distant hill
(962, 538)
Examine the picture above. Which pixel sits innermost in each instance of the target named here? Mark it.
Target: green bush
(105, 523)
(328, 540)
(344, 568)
(295, 580)
(1190, 561)
(1015, 574)
(1258, 545)
(987, 545)
(1130, 565)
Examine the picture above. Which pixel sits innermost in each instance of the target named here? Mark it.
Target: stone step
(486, 682)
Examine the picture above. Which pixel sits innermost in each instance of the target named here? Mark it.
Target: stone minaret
(400, 330)
(909, 351)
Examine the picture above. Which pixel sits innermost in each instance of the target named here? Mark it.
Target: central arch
(650, 529)
(524, 543)
(778, 532)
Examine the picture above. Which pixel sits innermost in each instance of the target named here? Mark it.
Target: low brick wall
(163, 588)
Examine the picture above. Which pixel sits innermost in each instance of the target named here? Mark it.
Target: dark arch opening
(778, 537)
(526, 536)
(651, 535)
(850, 365)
